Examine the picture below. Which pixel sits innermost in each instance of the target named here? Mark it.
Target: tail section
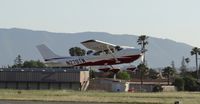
(46, 52)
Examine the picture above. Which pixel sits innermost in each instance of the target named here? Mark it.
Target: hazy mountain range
(16, 41)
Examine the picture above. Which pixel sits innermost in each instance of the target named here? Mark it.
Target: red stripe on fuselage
(125, 59)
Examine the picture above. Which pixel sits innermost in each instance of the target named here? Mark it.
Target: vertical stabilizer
(46, 52)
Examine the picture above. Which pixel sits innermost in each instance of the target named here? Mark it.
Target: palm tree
(168, 72)
(187, 60)
(142, 40)
(183, 67)
(196, 51)
(143, 71)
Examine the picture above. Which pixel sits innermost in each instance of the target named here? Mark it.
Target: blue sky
(178, 20)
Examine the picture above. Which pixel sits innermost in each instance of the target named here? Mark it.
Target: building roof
(74, 69)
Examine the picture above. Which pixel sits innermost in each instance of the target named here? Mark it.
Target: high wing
(98, 45)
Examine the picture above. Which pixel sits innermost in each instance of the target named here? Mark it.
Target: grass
(98, 96)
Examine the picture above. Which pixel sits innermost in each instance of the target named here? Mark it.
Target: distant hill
(22, 41)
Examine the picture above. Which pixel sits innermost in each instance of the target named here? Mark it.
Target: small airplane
(103, 54)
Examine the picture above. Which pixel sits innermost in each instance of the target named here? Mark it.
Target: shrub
(157, 88)
(190, 84)
(179, 83)
(123, 75)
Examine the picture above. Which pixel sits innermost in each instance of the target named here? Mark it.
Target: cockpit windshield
(90, 52)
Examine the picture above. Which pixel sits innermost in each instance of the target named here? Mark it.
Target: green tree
(142, 40)
(190, 84)
(40, 64)
(18, 62)
(168, 72)
(153, 74)
(179, 83)
(76, 51)
(143, 71)
(92, 73)
(173, 64)
(192, 74)
(183, 67)
(123, 75)
(196, 51)
(157, 88)
(187, 60)
(33, 64)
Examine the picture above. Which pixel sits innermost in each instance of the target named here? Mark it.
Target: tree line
(19, 63)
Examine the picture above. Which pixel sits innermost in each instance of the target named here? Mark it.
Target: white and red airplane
(105, 54)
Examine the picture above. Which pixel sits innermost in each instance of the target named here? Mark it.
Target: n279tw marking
(76, 61)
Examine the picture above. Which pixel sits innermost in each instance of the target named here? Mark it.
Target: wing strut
(109, 50)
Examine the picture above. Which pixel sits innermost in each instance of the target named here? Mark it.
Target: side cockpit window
(90, 52)
(101, 52)
(117, 48)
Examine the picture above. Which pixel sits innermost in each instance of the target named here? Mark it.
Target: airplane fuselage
(126, 55)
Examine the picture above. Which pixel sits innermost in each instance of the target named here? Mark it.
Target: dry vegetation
(97, 96)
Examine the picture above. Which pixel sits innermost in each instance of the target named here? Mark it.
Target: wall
(108, 85)
(42, 78)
